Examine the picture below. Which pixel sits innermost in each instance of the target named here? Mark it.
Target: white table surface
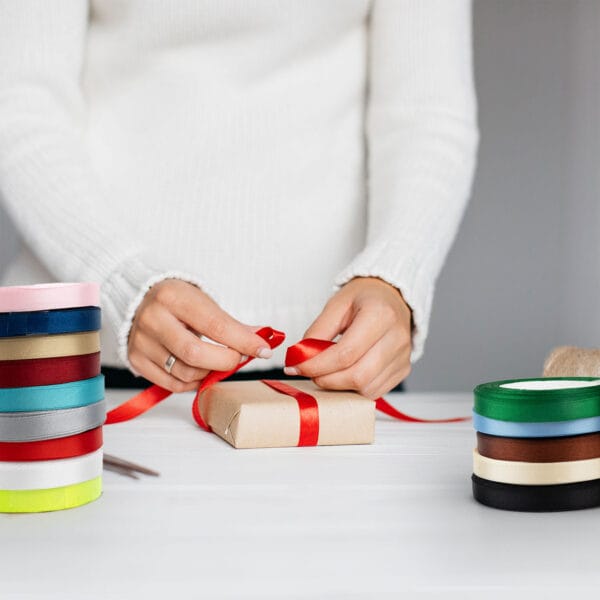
(391, 520)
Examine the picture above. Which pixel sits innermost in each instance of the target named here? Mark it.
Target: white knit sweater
(265, 150)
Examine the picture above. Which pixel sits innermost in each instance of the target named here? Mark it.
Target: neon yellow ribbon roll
(60, 498)
(535, 473)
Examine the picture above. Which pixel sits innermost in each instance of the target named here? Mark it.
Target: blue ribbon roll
(535, 430)
(52, 397)
(48, 322)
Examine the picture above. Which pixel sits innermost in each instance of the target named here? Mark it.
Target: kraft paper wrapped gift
(250, 414)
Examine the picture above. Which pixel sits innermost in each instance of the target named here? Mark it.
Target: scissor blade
(125, 464)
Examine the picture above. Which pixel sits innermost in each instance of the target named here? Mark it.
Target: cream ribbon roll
(44, 474)
(49, 346)
(48, 424)
(528, 473)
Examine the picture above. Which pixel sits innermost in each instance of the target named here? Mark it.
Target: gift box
(251, 414)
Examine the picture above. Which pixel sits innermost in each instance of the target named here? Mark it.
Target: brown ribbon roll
(49, 346)
(540, 450)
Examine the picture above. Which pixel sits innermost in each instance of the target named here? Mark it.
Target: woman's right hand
(169, 320)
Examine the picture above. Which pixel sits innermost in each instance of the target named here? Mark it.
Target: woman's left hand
(373, 354)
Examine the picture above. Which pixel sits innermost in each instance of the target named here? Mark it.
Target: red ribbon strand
(307, 404)
(310, 347)
(309, 411)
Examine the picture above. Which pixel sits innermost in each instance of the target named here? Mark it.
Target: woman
(217, 166)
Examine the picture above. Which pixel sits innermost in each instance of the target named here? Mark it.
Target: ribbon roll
(528, 473)
(44, 425)
(537, 498)
(49, 346)
(66, 447)
(539, 400)
(61, 498)
(52, 397)
(45, 474)
(48, 296)
(535, 430)
(49, 322)
(48, 371)
(540, 450)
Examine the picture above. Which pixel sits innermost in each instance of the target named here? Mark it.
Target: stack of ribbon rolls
(538, 444)
(51, 397)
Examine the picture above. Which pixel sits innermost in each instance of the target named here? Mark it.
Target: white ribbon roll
(530, 473)
(38, 475)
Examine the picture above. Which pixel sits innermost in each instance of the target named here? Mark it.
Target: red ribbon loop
(296, 354)
(155, 394)
(310, 347)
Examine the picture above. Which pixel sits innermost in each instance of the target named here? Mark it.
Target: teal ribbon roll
(539, 400)
(52, 397)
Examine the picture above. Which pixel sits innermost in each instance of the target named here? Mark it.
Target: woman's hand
(373, 354)
(168, 321)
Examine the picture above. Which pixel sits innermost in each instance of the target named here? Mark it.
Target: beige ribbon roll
(529, 473)
(49, 346)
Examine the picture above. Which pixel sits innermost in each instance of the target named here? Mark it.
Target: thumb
(330, 322)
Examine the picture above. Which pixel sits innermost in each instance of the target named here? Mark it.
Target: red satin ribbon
(310, 347)
(151, 396)
(309, 411)
(295, 354)
(48, 371)
(65, 447)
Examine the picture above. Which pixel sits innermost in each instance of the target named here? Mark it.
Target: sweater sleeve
(47, 182)
(422, 137)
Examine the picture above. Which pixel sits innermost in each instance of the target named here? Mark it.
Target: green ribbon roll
(539, 400)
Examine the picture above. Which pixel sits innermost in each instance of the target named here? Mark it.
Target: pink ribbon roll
(48, 296)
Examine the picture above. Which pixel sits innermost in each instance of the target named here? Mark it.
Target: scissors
(125, 467)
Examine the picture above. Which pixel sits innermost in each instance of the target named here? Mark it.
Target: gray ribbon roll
(48, 424)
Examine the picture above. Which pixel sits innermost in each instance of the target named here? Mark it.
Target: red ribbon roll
(295, 354)
(65, 447)
(48, 371)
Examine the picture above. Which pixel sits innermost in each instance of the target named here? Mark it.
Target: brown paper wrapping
(250, 414)
(570, 361)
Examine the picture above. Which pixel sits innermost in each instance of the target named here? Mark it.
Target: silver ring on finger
(169, 363)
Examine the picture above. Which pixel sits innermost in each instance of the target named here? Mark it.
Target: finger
(158, 376)
(158, 354)
(203, 315)
(388, 380)
(330, 322)
(158, 323)
(364, 331)
(378, 365)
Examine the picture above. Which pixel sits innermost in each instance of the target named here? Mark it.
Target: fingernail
(290, 371)
(264, 353)
(243, 358)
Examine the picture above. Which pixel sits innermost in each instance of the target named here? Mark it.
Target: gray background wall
(523, 275)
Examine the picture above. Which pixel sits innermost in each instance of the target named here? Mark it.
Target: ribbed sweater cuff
(405, 274)
(124, 291)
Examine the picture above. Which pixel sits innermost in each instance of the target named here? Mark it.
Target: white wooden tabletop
(391, 520)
